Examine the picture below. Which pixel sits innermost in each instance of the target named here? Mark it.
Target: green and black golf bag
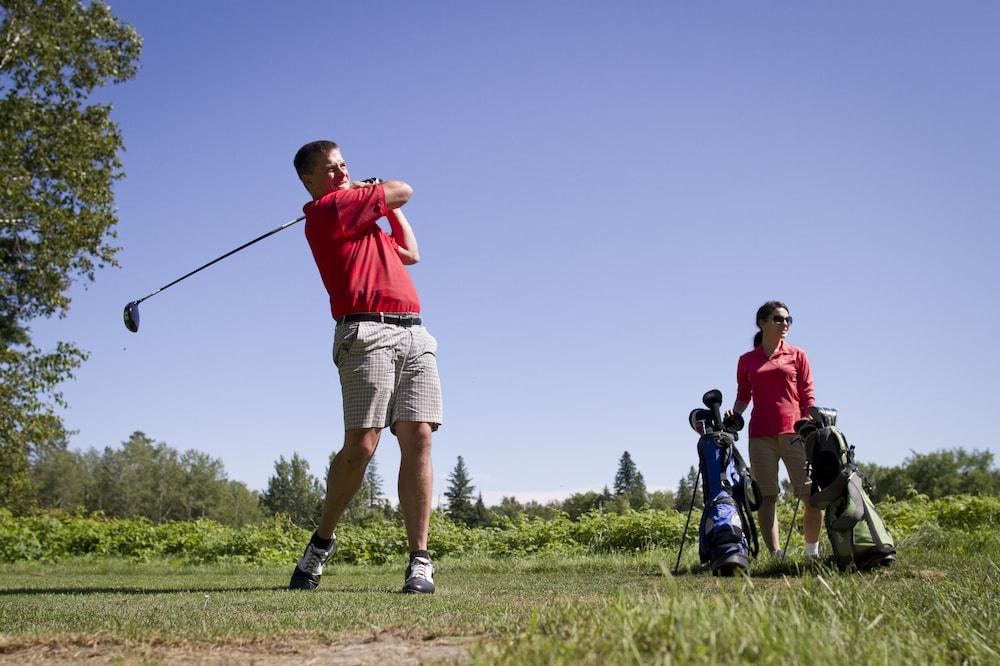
(857, 533)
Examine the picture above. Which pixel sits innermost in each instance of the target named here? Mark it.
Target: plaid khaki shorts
(388, 373)
(765, 452)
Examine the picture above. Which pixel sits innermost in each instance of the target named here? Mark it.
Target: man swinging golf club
(386, 358)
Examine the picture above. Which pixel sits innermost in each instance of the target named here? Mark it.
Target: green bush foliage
(53, 536)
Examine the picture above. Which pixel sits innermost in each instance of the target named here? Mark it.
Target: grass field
(938, 604)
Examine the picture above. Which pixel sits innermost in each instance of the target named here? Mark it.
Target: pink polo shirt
(781, 388)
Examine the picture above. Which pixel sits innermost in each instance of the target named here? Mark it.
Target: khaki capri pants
(765, 452)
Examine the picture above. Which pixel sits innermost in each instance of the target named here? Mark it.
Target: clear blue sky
(604, 195)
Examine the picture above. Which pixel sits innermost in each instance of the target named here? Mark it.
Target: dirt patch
(929, 574)
(382, 648)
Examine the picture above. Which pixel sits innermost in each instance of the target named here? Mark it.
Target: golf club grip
(231, 252)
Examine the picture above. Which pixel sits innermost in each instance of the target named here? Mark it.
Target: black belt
(383, 317)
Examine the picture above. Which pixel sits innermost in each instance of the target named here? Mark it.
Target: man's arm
(402, 233)
(397, 192)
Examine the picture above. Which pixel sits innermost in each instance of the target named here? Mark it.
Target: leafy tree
(62, 478)
(508, 507)
(578, 504)
(661, 500)
(937, 474)
(619, 504)
(294, 491)
(547, 511)
(237, 505)
(688, 485)
(202, 483)
(143, 478)
(459, 494)
(59, 159)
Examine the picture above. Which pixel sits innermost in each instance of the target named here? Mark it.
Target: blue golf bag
(730, 497)
(728, 533)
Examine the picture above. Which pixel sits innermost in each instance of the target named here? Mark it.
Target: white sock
(812, 548)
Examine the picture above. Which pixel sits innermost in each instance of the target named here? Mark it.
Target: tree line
(150, 479)
(153, 480)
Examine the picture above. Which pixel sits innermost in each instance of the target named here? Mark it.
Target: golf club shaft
(245, 245)
(791, 525)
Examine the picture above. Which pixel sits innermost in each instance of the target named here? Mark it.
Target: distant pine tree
(691, 483)
(373, 482)
(625, 476)
(629, 482)
(481, 515)
(459, 494)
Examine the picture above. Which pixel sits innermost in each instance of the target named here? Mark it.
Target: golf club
(131, 313)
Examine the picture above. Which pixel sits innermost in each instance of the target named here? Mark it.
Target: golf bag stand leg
(694, 494)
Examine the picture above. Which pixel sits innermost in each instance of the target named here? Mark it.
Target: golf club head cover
(733, 423)
(699, 419)
(804, 425)
(825, 416)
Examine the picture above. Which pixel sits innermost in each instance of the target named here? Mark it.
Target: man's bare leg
(416, 480)
(347, 471)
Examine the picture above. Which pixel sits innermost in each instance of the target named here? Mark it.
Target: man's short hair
(305, 159)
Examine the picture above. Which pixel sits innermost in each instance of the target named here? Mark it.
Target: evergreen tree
(373, 489)
(688, 484)
(58, 160)
(625, 476)
(637, 496)
(629, 482)
(294, 491)
(606, 498)
(480, 515)
(459, 494)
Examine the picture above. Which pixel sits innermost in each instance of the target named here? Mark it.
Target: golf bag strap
(831, 493)
(848, 520)
(753, 543)
(746, 507)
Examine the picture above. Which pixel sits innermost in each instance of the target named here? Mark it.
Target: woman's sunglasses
(778, 319)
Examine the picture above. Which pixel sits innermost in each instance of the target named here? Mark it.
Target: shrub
(53, 536)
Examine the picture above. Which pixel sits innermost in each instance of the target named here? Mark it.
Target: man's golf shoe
(419, 576)
(310, 567)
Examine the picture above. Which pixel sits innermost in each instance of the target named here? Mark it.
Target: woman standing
(777, 378)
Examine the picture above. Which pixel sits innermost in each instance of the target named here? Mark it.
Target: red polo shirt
(781, 388)
(357, 260)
